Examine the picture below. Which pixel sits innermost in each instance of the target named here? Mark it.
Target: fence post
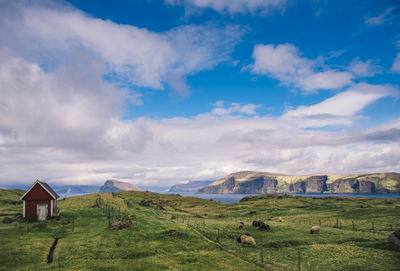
(262, 255)
(352, 222)
(391, 228)
(337, 223)
(372, 225)
(298, 260)
(218, 235)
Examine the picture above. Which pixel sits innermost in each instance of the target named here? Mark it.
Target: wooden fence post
(262, 255)
(298, 260)
(352, 222)
(337, 223)
(391, 228)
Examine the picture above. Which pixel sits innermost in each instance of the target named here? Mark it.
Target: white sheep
(246, 239)
(315, 229)
(280, 219)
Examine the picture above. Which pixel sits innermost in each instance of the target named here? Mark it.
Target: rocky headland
(114, 186)
(246, 182)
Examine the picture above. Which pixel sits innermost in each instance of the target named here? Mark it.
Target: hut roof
(45, 186)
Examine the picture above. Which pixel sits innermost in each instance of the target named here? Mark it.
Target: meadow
(171, 232)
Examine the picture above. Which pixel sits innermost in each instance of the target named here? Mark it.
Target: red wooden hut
(39, 201)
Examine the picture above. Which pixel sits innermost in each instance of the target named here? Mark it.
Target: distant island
(115, 185)
(192, 186)
(246, 182)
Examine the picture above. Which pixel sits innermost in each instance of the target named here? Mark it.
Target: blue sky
(157, 92)
(317, 28)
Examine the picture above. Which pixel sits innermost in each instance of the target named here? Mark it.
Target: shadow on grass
(379, 245)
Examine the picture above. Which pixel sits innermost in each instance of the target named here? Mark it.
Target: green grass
(184, 235)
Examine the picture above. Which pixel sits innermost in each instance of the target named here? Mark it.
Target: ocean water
(230, 198)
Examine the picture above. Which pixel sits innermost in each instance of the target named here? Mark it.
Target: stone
(392, 238)
(7, 220)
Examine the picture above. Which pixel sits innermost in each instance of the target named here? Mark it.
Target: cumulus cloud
(61, 121)
(146, 151)
(342, 107)
(364, 68)
(285, 63)
(135, 55)
(233, 6)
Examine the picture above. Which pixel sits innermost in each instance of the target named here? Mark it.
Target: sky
(158, 92)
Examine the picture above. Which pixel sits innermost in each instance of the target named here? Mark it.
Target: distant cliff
(246, 182)
(114, 186)
(192, 186)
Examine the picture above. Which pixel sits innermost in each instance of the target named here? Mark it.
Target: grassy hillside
(9, 200)
(179, 233)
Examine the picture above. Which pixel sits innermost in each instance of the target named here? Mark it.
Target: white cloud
(341, 109)
(361, 68)
(132, 54)
(60, 121)
(247, 109)
(382, 18)
(233, 6)
(285, 63)
(396, 64)
(52, 130)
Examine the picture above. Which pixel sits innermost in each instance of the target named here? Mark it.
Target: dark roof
(45, 186)
(49, 189)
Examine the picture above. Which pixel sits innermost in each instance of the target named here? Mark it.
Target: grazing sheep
(315, 229)
(246, 239)
(261, 225)
(241, 225)
(280, 219)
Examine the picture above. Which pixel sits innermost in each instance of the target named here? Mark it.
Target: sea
(231, 198)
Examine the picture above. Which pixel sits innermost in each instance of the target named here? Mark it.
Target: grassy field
(181, 233)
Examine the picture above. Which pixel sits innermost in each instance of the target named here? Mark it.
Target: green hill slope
(171, 232)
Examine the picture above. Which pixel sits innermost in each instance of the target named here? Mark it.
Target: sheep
(246, 239)
(280, 219)
(315, 229)
(261, 225)
(241, 225)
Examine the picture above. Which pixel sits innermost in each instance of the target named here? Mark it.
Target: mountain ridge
(115, 185)
(244, 182)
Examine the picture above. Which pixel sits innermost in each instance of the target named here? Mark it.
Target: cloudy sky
(157, 92)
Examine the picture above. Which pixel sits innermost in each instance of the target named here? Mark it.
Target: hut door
(42, 212)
